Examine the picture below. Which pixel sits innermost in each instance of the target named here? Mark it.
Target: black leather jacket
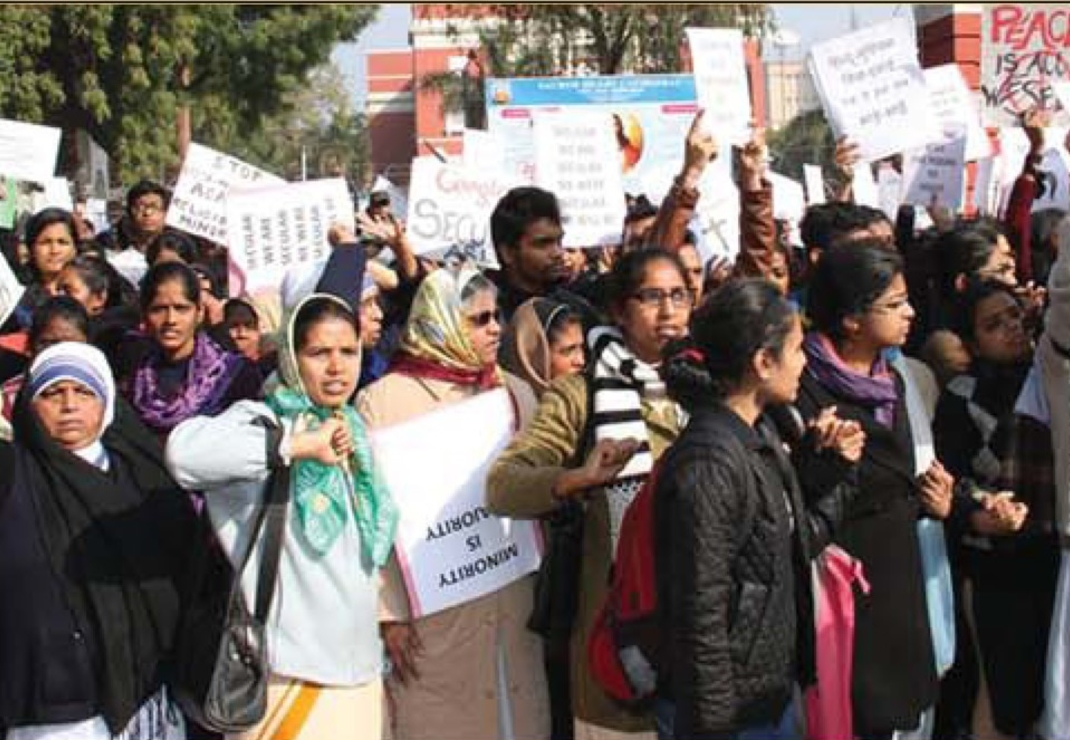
(734, 543)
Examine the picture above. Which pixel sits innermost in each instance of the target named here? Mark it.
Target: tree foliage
(806, 139)
(122, 72)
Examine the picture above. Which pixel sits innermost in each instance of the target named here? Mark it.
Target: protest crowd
(281, 470)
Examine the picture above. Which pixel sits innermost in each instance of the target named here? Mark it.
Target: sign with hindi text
(721, 81)
(934, 176)
(956, 109)
(873, 90)
(575, 155)
(199, 203)
(270, 230)
(451, 550)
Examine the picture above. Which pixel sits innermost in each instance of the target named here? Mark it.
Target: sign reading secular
(199, 204)
(576, 159)
(451, 550)
(450, 204)
(873, 90)
(1025, 49)
(270, 230)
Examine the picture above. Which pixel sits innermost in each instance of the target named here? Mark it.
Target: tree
(123, 72)
(532, 40)
(315, 117)
(806, 139)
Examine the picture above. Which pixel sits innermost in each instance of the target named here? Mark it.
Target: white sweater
(323, 623)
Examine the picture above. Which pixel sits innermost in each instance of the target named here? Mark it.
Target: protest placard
(270, 230)
(199, 202)
(450, 548)
(450, 205)
(717, 213)
(8, 202)
(11, 290)
(934, 176)
(986, 187)
(57, 194)
(721, 81)
(399, 201)
(28, 151)
(789, 199)
(873, 90)
(576, 158)
(864, 186)
(956, 109)
(889, 190)
(1023, 52)
(482, 150)
(815, 184)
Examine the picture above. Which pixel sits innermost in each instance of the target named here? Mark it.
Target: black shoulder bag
(221, 666)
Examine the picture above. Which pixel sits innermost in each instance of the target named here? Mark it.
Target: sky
(812, 22)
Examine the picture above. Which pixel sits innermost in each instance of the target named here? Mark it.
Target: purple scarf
(875, 391)
(208, 378)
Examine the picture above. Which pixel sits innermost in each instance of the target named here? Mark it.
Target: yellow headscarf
(436, 333)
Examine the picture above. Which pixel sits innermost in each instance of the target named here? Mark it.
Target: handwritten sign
(1023, 52)
(28, 151)
(577, 158)
(873, 90)
(11, 290)
(270, 230)
(450, 204)
(721, 81)
(956, 109)
(789, 199)
(199, 203)
(815, 184)
(934, 175)
(864, 186)
(889, 191)
(450, 548)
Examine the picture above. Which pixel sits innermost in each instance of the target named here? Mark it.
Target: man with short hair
(526, 230)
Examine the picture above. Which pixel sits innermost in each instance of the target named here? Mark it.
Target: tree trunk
(184, 117)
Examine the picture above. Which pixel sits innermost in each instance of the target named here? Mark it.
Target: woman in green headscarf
(472, 670)
(323, 638)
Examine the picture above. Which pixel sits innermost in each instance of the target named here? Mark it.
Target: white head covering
(84, 364)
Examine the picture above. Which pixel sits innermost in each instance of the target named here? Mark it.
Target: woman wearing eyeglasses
(593, 442)
(472, 670)
(859, 309)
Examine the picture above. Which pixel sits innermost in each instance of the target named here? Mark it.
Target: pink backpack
(828, 702)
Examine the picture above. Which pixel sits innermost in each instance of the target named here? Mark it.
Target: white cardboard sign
(934, 175)
(28, 151)
(956, 109)
(270, 230)
(199, 203)
(577, 159)
(11, 290)
(873, 89)
(450, 548)
(721, 81)
(815, 184)
(450, 204)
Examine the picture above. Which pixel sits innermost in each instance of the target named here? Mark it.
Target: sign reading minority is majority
(270, 230)
(1025, 48)
(199, 204)
(451, 205)
(873, 90)
(451, 550)
(576, 159)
